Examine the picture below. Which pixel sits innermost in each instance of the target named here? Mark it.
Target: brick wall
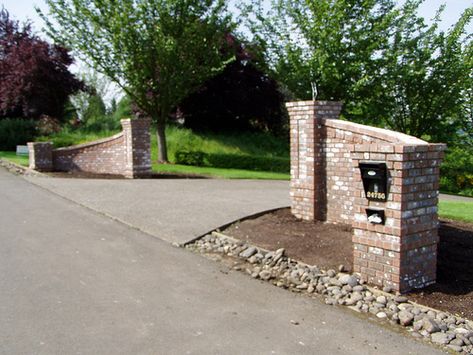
(326, 185)
(127, 153)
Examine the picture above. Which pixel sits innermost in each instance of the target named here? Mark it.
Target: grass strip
(17, 159)
(457, 210)
(218, 172)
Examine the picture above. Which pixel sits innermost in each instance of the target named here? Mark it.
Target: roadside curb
(18, 169)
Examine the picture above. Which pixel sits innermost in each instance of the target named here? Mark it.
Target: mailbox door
(374, 176)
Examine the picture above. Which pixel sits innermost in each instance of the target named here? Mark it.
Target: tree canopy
(34, 74)
(158, 51)
(243, 97)
(388, 66)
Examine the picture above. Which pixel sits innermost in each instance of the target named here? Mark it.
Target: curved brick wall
(127, 153)
(326, 185)
(105, 156)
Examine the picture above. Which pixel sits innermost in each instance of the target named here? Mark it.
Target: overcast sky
(24, 9)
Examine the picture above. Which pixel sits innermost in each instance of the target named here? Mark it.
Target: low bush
(232, 161)
(249, 162)
(16, 131)
(189, 158)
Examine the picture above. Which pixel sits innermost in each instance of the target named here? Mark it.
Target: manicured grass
(217, 172)
(257, 144)
(18, 159)
(241, 144)
(458, 210)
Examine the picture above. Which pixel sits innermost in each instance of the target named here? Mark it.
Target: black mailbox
(374, 176)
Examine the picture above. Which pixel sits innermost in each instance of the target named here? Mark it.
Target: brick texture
(41, 156)
(326, 185)
(127, 153)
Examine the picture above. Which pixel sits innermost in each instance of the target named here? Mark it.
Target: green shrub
(232, 161)
(101, 123)
(189, 158)
(248, 162)
(456, 171)
(16, 131)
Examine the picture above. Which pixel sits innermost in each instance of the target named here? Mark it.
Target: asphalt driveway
(73, 281)
(176, 210)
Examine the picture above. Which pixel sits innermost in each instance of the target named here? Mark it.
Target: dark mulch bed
(330, 245)
(453, 291)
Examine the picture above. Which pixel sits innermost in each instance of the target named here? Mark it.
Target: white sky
(24, 9)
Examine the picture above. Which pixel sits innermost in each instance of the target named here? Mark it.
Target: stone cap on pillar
(143, 123)
(317, 109)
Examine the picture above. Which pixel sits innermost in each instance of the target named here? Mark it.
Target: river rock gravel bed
(340, 288)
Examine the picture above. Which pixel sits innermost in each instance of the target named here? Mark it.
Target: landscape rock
(400, 299)
(339, 288)
(430, 325)
(265, 275)
(381, 315)
(440, 338)
(248, 252)
(358, 288)
(349, 280)
(331, 273)
(382, 300)
(456, 348)
(458, 342)
(405, 318)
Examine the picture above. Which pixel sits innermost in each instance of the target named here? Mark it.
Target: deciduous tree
(158, 51)
(34, 74)
(388, 66)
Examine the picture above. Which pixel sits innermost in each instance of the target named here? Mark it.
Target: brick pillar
(40, 156)
(402, 252)
(137, 147)
(307, 135)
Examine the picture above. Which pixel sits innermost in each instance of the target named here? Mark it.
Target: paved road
(176, 210)
(445, 197)
(75, 281)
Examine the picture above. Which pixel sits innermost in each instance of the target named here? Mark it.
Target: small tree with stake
(158, 51)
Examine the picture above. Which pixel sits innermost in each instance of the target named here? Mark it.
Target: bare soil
(329, 246)
(315, 243)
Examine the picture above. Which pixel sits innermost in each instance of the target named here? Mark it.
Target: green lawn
(18, 159)
(458, 210)
(218, 172)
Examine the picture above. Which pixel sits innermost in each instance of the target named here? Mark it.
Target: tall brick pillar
(402, 252)
(308, 173)
(41, 156)
(137, 147)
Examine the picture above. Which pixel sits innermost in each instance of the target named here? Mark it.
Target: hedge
(16, 131)
(233, 161)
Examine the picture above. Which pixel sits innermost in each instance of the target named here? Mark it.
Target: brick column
(137, 147)
(308, 176)
(40, 156)
(402, 252)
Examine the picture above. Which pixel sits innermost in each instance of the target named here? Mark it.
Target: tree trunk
(162, 147)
